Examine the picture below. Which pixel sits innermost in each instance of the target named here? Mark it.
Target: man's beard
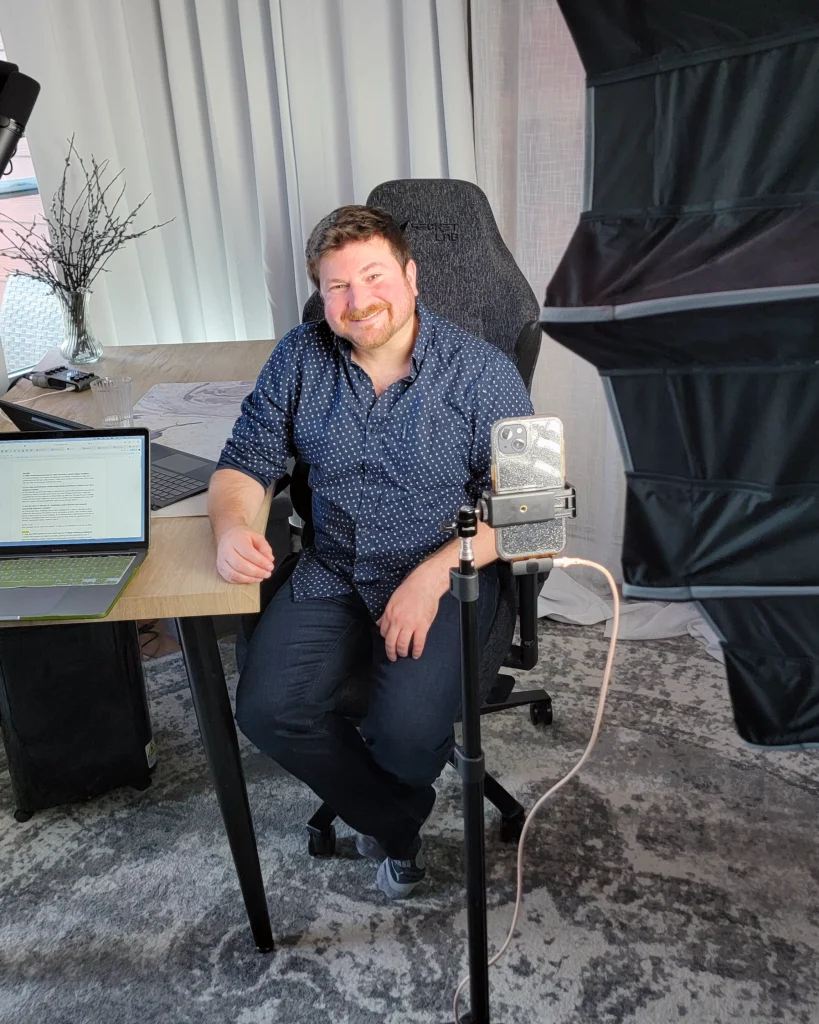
(376, 337)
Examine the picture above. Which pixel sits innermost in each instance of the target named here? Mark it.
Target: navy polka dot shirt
(387, 470)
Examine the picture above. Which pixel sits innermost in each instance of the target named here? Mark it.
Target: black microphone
(17, 98)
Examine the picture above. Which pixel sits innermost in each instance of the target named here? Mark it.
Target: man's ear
(411, 274)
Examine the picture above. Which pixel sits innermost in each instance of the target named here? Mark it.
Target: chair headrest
(465, 271)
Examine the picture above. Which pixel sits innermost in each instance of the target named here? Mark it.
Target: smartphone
(528, 455)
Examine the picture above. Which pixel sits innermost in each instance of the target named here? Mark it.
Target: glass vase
(79, 344)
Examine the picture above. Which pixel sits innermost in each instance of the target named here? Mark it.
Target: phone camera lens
(519, 444)
(506, 433)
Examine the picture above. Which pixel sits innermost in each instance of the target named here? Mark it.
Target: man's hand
(410, 612)
(243, 556)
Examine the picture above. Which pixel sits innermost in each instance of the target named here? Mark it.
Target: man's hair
(354, 224)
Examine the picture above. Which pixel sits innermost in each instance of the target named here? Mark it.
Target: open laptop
(174, 475)
(74, 520)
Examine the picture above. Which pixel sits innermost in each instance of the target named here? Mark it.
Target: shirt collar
(426, 330)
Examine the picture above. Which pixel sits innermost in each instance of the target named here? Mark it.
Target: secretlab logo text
(437, 232)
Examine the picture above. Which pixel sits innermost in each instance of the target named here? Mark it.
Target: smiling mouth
(367, 319)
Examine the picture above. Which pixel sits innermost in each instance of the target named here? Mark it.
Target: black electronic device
(74, 725)
(62, 377)
(175, 475)
(18, 94)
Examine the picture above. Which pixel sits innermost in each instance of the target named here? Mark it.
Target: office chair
(466, 274)
(30, 321)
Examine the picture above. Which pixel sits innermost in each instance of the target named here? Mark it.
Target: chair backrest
(30, 321)
(465, 271)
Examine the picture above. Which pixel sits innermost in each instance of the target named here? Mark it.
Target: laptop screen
(65, 489)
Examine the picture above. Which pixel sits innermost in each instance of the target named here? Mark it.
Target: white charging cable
(69, 389)
(559, 563)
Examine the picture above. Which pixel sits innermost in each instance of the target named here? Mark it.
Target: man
(391, 406)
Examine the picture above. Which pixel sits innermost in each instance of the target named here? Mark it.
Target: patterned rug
(675, 879)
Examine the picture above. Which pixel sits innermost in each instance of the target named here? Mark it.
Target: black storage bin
(74, 713)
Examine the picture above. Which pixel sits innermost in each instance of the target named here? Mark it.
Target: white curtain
(246, 121)
(529, 94)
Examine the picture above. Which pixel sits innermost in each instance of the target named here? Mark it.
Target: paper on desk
(195, 418)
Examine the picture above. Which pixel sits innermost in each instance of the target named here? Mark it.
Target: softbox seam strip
(708, 618)
(702, 593)
(588, 154)
(716, 370)
(617, 423)
(661, 65)
(676, 303)
(717, 207)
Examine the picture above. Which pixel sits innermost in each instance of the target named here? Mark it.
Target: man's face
(368, 298)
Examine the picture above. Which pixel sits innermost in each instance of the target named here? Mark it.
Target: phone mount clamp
(509, 509)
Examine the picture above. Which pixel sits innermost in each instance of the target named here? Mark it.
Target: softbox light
(692, 284)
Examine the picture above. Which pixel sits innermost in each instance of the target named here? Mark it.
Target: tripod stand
(512, 508)
(469, 761)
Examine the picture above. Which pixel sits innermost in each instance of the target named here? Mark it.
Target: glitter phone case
(528, 455)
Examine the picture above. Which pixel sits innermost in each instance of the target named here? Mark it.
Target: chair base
(321, 835)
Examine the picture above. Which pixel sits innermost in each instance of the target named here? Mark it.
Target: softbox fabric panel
(692, 283)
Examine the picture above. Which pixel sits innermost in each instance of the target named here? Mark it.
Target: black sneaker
(398, 878)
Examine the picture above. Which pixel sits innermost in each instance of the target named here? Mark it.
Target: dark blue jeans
(378, 777)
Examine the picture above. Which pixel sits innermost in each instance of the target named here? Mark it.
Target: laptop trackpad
(57, 602)
(27, 602)
(81, 601)
(180, 463)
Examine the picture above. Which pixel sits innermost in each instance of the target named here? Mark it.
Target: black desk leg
(213, 712)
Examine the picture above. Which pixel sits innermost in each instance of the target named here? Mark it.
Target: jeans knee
(414, 760)
(268, 724)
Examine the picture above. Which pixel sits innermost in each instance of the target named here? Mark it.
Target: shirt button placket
(370, 497)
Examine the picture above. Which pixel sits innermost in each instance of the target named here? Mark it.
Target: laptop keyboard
(167, 487)
(72, 571)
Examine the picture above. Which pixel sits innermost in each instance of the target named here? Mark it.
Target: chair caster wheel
(22, 816)
(512, 827)
(322, 844)
(540, 713)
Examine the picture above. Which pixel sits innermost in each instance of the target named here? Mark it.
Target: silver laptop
(74, 520)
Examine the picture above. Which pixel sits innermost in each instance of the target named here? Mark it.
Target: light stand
(496, 510)
(469, 761)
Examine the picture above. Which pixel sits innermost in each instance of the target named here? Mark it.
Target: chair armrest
(527, 349)
(281, 484)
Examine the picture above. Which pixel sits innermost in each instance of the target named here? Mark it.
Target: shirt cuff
(225, 462)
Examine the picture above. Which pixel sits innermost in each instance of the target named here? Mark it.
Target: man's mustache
(362, 314)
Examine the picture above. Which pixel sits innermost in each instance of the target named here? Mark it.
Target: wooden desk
(178, 579)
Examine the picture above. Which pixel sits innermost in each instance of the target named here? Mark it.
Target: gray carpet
(676, 879)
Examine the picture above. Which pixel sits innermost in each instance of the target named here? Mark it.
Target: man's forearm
(437, 566)
(234, 499)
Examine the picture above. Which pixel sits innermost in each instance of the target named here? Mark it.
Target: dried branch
(82, 235)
